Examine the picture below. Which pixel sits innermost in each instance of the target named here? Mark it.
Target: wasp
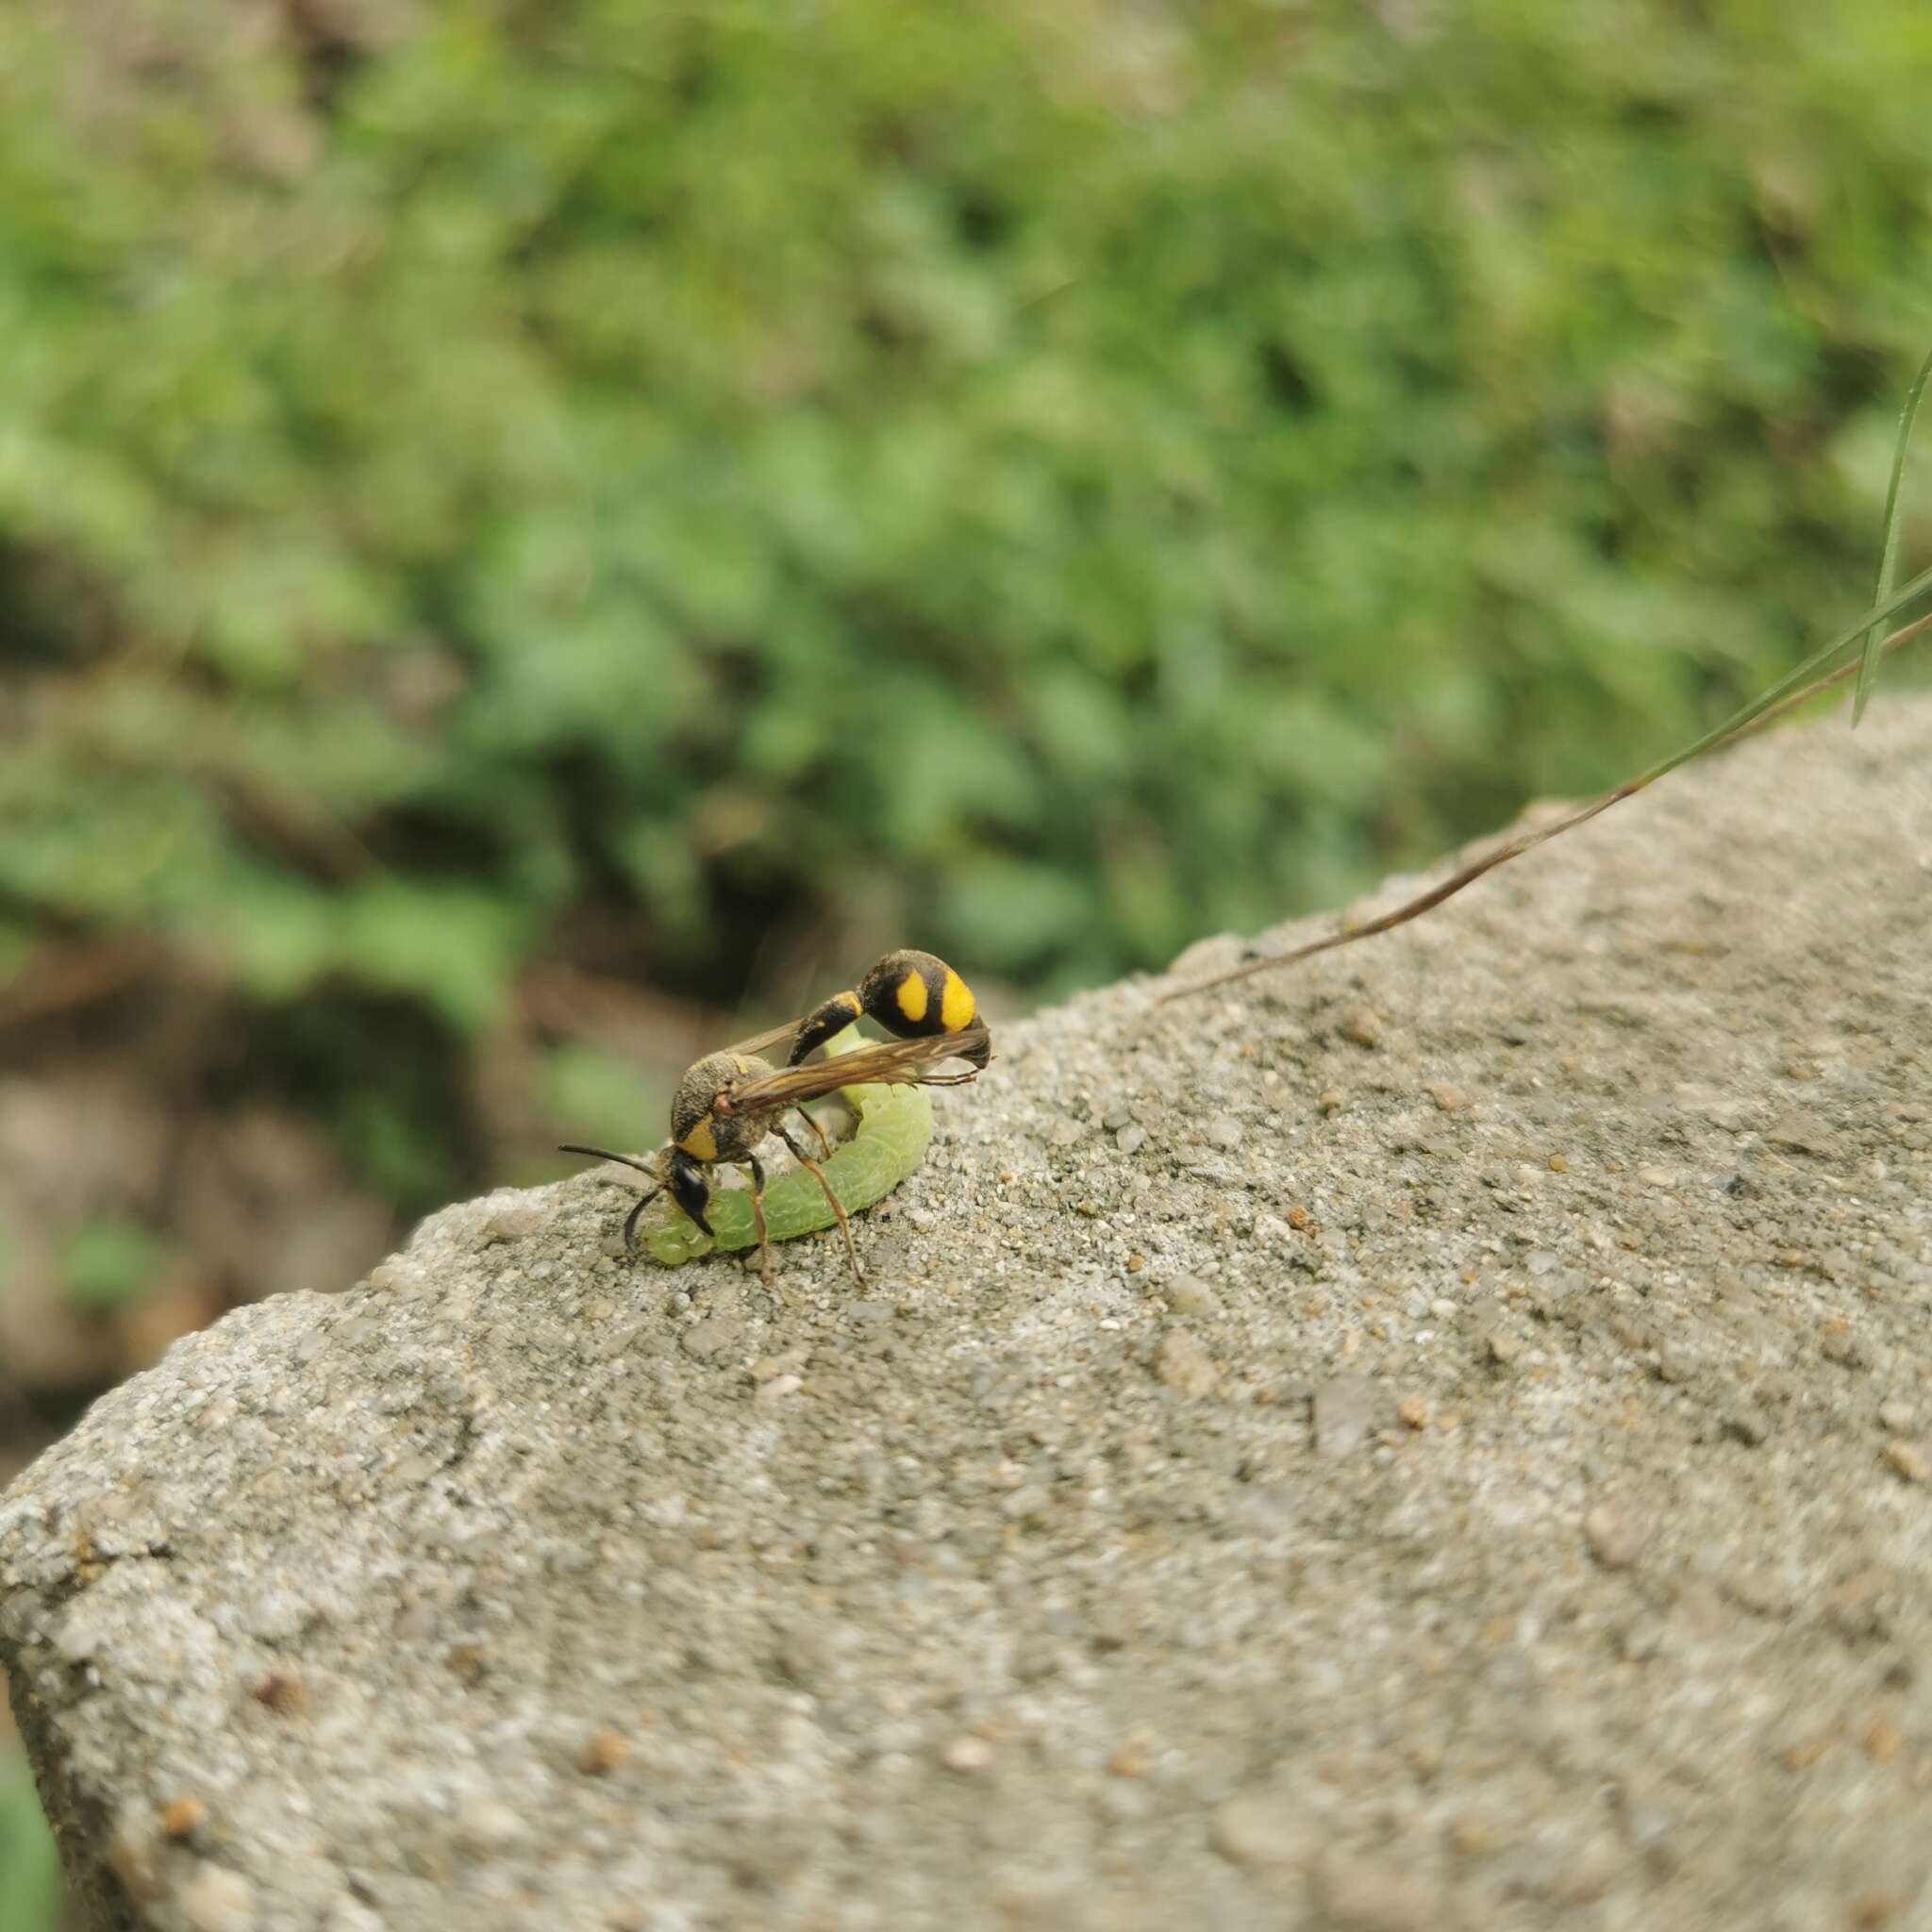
(728, 1103)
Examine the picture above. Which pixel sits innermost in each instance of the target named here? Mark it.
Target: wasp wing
(889, 1062)
(763, 1044)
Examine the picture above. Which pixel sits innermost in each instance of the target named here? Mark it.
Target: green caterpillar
(894, 1126)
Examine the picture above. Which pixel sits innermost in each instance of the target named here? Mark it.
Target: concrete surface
(1437, 1439)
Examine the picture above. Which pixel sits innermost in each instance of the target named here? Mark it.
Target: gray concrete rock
(522, 1585)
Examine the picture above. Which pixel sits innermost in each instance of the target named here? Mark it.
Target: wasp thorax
(699, 1127)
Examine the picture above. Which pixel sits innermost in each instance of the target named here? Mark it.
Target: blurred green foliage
(30, 1886)
(108, 1262)
(477, 480)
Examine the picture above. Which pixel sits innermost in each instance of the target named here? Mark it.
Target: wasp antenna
(630, 1220)
(604, 1154)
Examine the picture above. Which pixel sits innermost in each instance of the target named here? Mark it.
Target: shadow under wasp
(728, 1102)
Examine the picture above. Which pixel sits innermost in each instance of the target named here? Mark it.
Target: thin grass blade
(1888, 558)
(1874, 621)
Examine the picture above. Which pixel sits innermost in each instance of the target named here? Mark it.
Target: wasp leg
(804, 1160)
(689, 1190)
(758, 1217)
(812, 1122)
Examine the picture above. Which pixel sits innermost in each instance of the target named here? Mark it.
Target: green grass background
(489, 483)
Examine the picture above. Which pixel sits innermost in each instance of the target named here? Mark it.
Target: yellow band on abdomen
(911, 997)
(957, 1005)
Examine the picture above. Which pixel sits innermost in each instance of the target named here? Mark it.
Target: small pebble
(1474, 1837)
(1909, 1461)
(967, 1755)
(1116, 1117)
(704, 1339)
(1362, 1026)
(1184, 1365)
(1503, 1347)
(1897, 1417)
(1299, 1219)
(79, 1638)
(216, 1900)
(485, 1825)
(1641, 1639)
(1188, 1294)
(1559, 1165)
(1747, 1425)
(1344, 1411)
(1135, 1263)
(283, 1692)
(1329, 1099)
(604, 1751)
(468, 1662)
(1131, 1139)
(1804, 1133)
(133, 1857)
(1450, 1099)
(1226, 1135)
(1614, 1536)
(1263, 1831)
(1357, 1896)
(1883, 1741)
(181, 1817)
(1856, 1607)
(510, 1224)
(1030, 1504)
(1413, 1413)
(1870, 1911)
(1839, 1345)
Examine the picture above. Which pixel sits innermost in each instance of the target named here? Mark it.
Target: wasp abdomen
(916, 994)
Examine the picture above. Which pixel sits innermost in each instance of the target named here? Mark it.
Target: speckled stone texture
(1438, 1437)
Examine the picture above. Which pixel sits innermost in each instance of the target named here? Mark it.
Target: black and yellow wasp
(729, 1100)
